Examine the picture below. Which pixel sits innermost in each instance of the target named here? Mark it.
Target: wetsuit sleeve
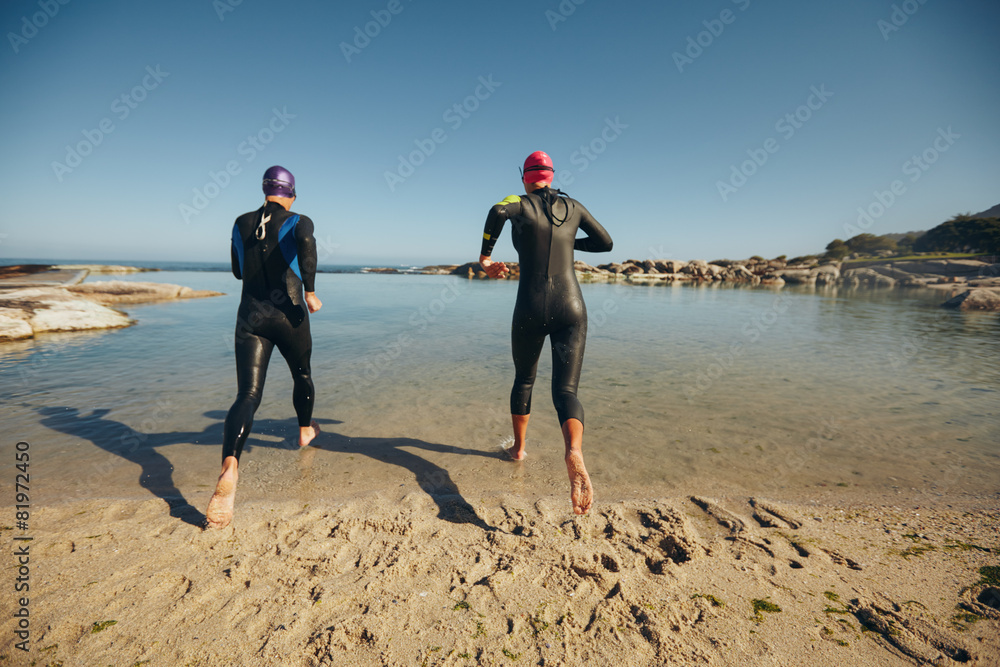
(498, 215)
(234, 256)
(306, 250)
(597, 238)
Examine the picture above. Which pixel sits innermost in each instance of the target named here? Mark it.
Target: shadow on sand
(156, 475)
(434, 480)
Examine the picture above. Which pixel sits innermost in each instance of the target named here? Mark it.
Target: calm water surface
(789, 394)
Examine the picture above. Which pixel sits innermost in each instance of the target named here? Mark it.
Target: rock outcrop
(975, 299)
(32, 310)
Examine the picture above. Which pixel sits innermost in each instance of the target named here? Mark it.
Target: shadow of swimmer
(134, 446)
(433, 479)
(752, 330)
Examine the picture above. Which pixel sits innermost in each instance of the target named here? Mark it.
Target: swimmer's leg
(526, 347)
(581, 491)
(252, 355)
(520, 423)
(220, 507)
(568, 345)
(296, 348)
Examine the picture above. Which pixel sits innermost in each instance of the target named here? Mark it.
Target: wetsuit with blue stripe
(274, 254)
(549, 302)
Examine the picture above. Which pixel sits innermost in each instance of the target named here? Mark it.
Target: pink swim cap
(538, 168)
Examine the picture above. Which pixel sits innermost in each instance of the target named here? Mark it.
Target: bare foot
(581, 492)
(308, 433)
(515, 452)
(220, 507)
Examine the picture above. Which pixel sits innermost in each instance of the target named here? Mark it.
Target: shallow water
(707, 390)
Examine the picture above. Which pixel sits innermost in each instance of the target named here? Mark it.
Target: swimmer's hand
(313, 302)
(493, 269)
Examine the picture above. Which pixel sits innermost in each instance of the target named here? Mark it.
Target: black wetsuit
(274, 254)
(549, 301)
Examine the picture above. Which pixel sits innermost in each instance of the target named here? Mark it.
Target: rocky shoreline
(37, 299)
(972, 284)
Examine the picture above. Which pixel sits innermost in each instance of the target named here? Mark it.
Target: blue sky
(690, 130)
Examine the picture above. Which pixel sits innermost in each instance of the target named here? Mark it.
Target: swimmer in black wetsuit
(274, 254)
(549, 303)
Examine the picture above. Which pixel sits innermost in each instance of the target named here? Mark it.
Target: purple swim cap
(278, 182)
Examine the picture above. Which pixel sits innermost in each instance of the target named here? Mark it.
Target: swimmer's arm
(236, 262)
(498, 215)
(306, 250)
(597, 238)
(233, 254)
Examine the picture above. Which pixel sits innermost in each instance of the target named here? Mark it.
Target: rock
(119, 292)
(697, 268)
(737, 273)
(975, 299)
(55, 309)
(439, 269)
(827, 274)
(612, 268)
(26, 312)
(867, 277)
(672, 266)
(985, 282)
(772, 280)
(583, 267)
(797, 276)
(649, 266)
(630, 269)
(14, 324)
(649, 278)
(101, 268)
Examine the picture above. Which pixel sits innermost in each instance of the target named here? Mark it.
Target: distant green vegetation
(928, 256)
(962, 236)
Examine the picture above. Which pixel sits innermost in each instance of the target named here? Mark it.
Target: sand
(420, 579)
